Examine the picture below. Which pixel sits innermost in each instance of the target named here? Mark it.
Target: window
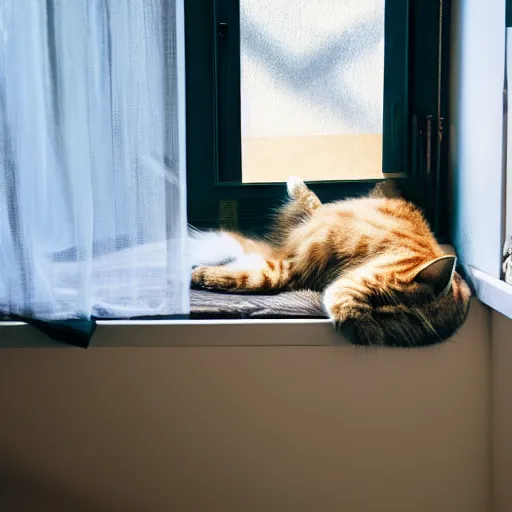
(342, 93)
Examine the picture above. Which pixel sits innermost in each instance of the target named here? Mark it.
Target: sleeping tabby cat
(384, 278)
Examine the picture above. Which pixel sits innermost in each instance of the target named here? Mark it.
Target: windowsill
(187, 333)
(230, 333)
(493, 292)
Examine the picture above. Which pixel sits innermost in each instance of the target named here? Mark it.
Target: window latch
(222, 30)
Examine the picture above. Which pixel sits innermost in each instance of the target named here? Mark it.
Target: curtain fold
(92, 159)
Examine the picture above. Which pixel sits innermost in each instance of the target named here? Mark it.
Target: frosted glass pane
(312, 77)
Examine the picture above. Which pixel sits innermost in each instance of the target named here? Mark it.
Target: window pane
(312, 77)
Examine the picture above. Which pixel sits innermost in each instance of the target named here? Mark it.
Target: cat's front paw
(363, 332)
(341, 307)
(353, 319)
(340, 314)
(357, 325)
(212, 278)
(197, 277)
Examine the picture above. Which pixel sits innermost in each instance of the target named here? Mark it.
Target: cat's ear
(438, 274)
(386, 189)
(296, 187)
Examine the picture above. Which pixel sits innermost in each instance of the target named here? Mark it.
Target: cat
(384, 278)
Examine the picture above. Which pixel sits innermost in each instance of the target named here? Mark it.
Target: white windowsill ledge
(493, 292)
(187, 333)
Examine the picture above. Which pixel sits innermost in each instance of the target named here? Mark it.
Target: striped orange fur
(384, 278)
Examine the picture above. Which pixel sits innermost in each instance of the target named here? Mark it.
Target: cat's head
(425, 311)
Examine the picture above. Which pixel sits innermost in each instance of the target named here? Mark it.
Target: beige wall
(325, 428)
(501, 351)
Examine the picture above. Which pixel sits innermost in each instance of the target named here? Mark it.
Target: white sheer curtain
(92, 169)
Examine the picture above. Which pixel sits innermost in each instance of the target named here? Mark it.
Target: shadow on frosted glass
(312, 78)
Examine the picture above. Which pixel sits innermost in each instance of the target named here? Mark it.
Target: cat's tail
(212, 247)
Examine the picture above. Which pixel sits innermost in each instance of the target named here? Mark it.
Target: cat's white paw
(294, 185)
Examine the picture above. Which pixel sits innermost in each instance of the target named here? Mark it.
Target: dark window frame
(415, 111)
